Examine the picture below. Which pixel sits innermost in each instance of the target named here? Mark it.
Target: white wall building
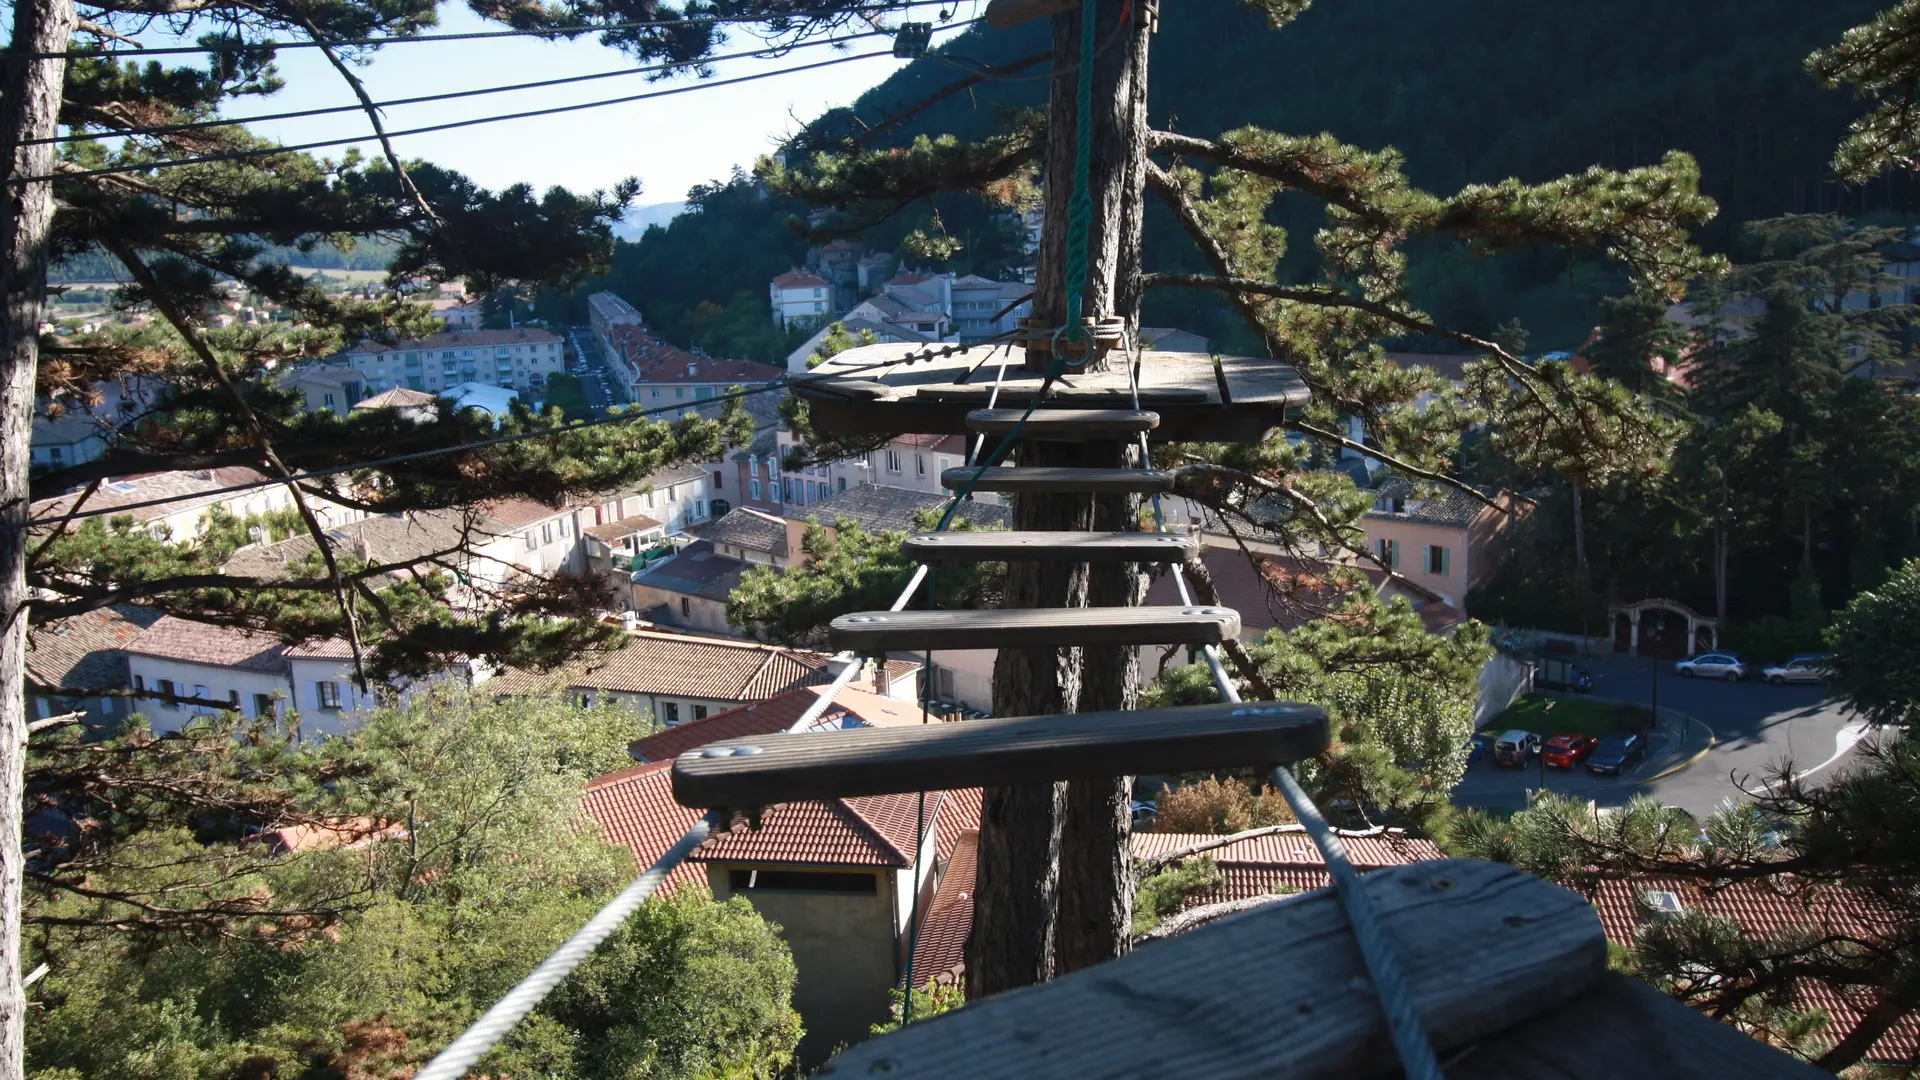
(798, 296)
(522, 359)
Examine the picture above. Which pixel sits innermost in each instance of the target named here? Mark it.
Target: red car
(1566, 751)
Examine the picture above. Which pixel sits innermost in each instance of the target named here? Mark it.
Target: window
(263, 705)
(168, 689)
(843, 483)
(649, 498)
(669, 713)
(717, 485)
(920, 464)
(585, 701)
(673, 493)
(699, 712)
(702, 392)
(786, 489)
(893, 461)
(818, 292)
(818, 881)
(566, 528)
(1388, 550)
(945, 463)
(686, 607)
(328, 398)
(1437, 560)
(201, 693)
(531, 543)
(656, 393)
(753, 465)
(326, 695)
(139, 684)
(546, 533)
(679, 393)
(753, 490)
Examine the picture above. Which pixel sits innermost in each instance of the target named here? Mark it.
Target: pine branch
(162, 302)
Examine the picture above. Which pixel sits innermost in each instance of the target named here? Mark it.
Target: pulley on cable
(911, 40)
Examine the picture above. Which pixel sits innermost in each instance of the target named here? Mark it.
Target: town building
(86, 654)
(194, 495)
(800, 297)
(678, 677)
(459, 313)
(522, 359)
(330, 388)
(416, 405)
(689, 589)
(1443, 540)
(984, 308)
(73, 437)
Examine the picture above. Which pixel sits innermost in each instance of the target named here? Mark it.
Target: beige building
(1445, 541)
(333, 388)
(522, 359)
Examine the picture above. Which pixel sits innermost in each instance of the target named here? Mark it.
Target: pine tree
(1329, 328)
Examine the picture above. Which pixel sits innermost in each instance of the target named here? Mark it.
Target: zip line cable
(270, 151)
(196, 125)
(498, 440)
(550, 34)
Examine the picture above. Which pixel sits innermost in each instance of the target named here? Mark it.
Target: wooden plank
(1251, 380)
(1070, 425)
(1057, 479)
(1051, 546)
(765, 770)
(884, 631)
(1278, 991)
(1624, 1028)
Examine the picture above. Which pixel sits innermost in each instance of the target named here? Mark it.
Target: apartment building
(605, 311)
(522, 359)
(798, 296)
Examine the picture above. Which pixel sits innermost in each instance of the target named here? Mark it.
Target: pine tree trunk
(1579, 533)
(1021, 859)
(29, 106)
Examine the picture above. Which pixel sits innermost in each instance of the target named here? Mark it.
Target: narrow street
(597, 379)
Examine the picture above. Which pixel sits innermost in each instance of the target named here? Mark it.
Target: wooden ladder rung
(764, 770)
(1060, 480)
(874, 632)
(1140, 547)
(1064, 425)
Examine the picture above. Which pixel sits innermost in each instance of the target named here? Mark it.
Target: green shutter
(1446, 561)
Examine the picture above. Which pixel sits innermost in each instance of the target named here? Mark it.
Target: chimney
(362, 550)
(882, 682)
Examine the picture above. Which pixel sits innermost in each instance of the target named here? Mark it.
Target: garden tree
(1637, 346)
(470, 857)
(1874, 643)
(1327, 324)
(1399, 699)
(1216, 805)
(181, 203)
(850, 569)
(1876, 61)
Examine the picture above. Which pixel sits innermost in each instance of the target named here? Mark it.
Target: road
(1756, 728)
(596, 378)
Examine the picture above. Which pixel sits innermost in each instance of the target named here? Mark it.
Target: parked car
(1804, 668)
(1552, 674)
(1615, 753)
(1713, 665)
(1514, 748)
(1477, 747)
(1144, 815)
(1566, 751)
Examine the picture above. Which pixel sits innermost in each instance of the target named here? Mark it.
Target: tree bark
(1579, 534)
(1021, 833)
(1096, 825)
(30, 93)
(1117, 177)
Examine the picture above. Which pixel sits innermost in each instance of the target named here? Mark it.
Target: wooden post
(1030, 837)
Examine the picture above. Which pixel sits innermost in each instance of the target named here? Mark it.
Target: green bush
(1770, 639)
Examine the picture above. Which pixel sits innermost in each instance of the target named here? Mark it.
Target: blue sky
(670, 143)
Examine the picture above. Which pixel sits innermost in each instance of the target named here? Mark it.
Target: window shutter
(1446, 561)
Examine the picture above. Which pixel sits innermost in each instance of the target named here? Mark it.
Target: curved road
(1757, 729)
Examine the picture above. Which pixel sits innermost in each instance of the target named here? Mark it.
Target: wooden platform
(1055, 480)
(1509, 974)
(1199, 397)
(764, 770)
(873, 632)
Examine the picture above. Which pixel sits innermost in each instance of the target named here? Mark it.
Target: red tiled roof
(513, 513)
(679, 665)
(795, 279)
(939, 953)
(636, 808)
(1293, 849)
(777, 714)
(87, 650)
(215, 646)
(1759, 908)
(870, 831)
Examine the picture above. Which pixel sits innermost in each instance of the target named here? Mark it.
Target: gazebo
(1653, 627)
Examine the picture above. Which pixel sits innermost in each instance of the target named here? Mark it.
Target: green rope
(1080, 206)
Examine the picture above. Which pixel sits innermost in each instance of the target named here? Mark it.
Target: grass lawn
(1552, 714)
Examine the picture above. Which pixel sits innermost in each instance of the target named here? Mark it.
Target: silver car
(1805, 668)
(1713, 665)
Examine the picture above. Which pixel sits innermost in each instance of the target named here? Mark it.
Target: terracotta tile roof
(323, 375)
(1450, 507)
(939, 953)
(959, 815)
(399, 397)
(631, 525)
(635, 807)
(190, 490)
(214, 646)
(515, 513)
(389, 538)
(798, 279)
(354, 832)
(87, 651)
(875, 831)
(745, 527)
(1760, 908)
(1293, 850)
(459, 339)
(322, 649)
(850, 708)
(678, 665)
